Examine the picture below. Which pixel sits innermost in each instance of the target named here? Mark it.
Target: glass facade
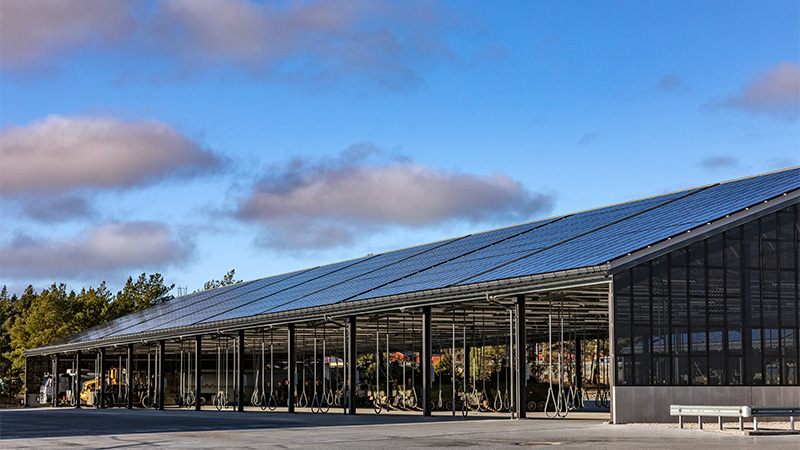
(720, 311)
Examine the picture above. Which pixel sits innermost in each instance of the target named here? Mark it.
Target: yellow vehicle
(116, 389)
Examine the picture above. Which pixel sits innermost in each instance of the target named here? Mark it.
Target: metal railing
(740, 412)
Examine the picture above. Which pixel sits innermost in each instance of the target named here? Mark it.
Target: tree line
(34, 319)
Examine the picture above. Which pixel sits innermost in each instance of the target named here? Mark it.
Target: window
(721, 311)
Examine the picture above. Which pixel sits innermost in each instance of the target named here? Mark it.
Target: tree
(144, 292)
(34, 320)
(227, 280)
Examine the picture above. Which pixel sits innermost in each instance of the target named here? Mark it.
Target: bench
(741, 412)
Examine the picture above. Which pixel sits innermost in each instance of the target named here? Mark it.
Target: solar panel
(616, 240)
(280, 299)
(551, 233)
(402, 268)
(198, 310)
(578, 240)
(122, 324)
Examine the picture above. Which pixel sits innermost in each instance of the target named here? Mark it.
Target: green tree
(227, 280)
(34, 320)
(142, 293)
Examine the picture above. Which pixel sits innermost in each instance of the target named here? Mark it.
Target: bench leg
(680, 422)
(791, 422)
(719, 419)
(741, 423)
(755, 423)
(700, 421)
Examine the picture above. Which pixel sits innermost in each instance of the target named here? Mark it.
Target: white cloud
(379, 41)
(105, 249)
(33, 32)
(307, 204)
(775, 92)
(61, 154)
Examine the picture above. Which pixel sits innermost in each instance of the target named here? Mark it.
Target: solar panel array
(577, 240)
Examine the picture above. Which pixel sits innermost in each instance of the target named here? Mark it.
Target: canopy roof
(570, 249)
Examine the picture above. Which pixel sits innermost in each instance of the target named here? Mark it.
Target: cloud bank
(61, 154)
(775, 92)
(33, 33)
(316, 40)
(306, 204)
(104, 249)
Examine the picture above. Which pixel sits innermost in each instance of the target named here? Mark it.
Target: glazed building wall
(722, 311)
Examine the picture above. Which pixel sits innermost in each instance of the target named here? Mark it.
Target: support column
(198, 378)
(240, 372)
(426, 358)
(578, 367)
(56, 384)
(26, 382)
(101, 367)
(520, 338)
(612, 356)
(291, 366)
(160, 385)
(352, 362)
(129, 379)
(76, 385)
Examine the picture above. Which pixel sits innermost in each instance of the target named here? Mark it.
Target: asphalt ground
(42, 428)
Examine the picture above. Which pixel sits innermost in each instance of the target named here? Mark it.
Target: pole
(77, 386)
(427, 357)
(102, 369)
(198, 379)
(521, 338)
(160, 374)
(352, 359)
(240, 373)
(291, 366)
(129, 381)
(56, 383)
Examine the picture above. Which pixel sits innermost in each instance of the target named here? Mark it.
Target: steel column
(76, 385)
(520, 339)
(160, 385)
(26, 383)
(129, 379)
(240, 372)
(198, 379)
(427, 357)
(578, 366)
(291, 367)
(102, 369)
(56, 379)
(352, 362)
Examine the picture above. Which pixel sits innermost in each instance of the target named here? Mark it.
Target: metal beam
(520, 339)
(352, 362)
(101, 368)
(198, 379)
(129, 379)
(427, 367)
(160, 375)
(76, 385)
(26, 382)
(56, 383)
(240, 371)
(291, 367)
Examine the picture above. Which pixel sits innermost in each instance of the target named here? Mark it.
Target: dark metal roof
(572, 248)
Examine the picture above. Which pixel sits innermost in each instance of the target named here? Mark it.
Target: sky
(191, 137)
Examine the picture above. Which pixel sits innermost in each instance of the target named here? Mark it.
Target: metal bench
(774, 411)
(720, 411)
(734, 411)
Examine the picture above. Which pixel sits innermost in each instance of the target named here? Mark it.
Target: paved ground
(38, 428)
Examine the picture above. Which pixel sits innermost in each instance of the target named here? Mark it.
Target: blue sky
(190, 137)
